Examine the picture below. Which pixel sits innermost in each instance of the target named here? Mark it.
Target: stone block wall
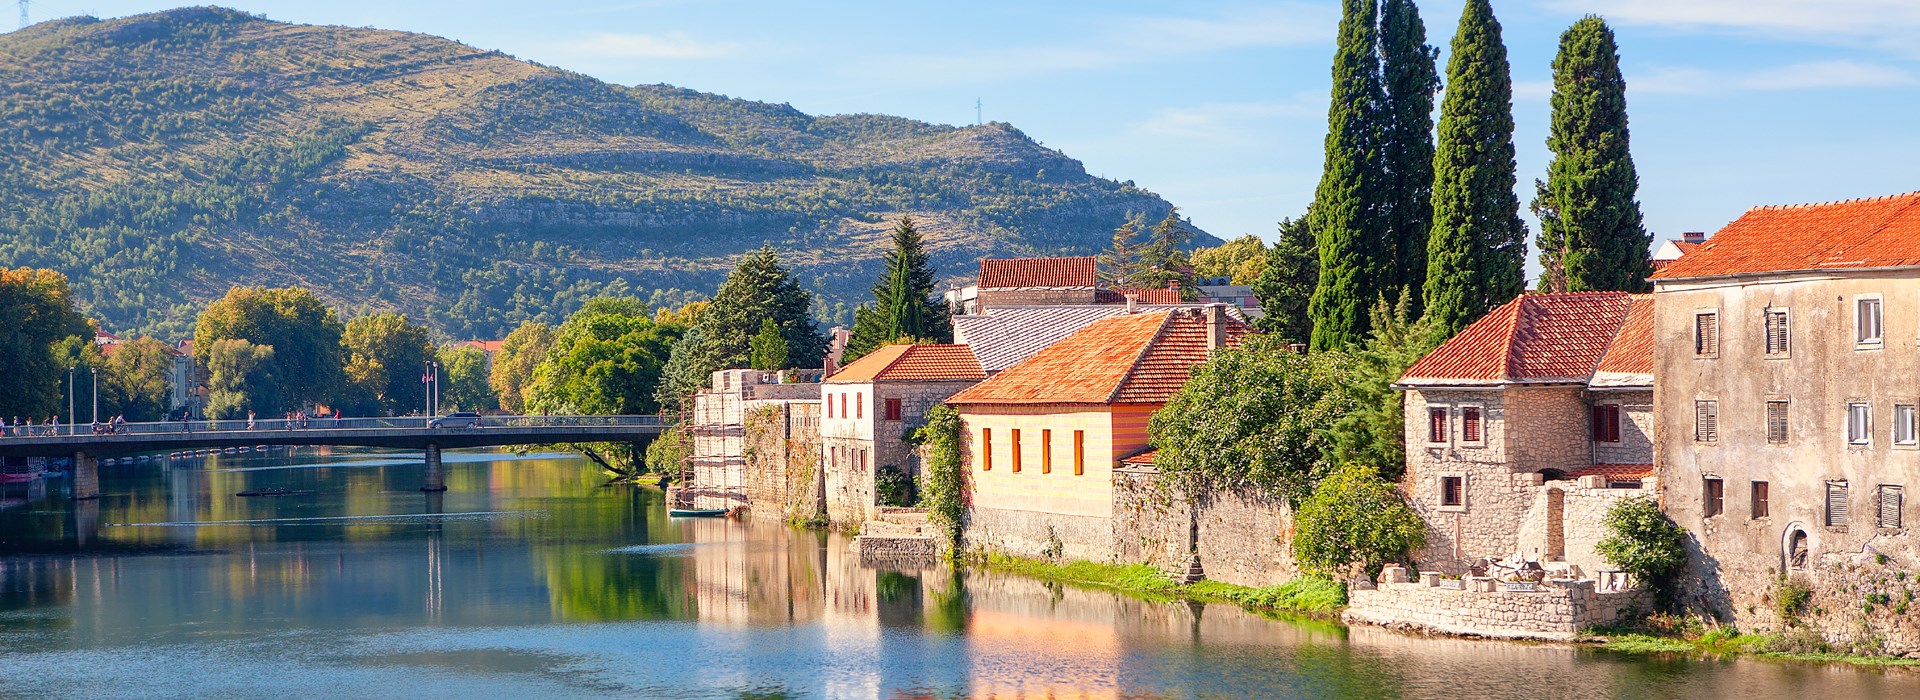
(1241, 538)
(1582, 509)
(1038, 535)
(990, 297)
(783, 476)
(1558, 611)
(1636, 429)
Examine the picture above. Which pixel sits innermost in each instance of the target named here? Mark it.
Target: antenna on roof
(23, 12)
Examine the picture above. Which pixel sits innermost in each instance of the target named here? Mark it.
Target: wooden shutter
(1470, 428)
(1706, 334)
(1015, 446)
(1706, 421)
(1776, 332)
(986, 449)
(1759, 505)
(1046, 451)
(1436, 425)
(1777, 422)
(1890, 500)
(1836, 503)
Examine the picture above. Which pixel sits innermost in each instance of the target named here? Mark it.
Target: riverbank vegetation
(1315, 595)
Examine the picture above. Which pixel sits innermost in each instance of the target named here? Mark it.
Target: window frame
(1908, 424)
(1445, 417)
(1830, 516)
(1784, 349)
(894, 409)
(1863, 410)
(1604, 423)
(1785, 422)
(1706, 333)
(1706, 421)
(1759, 496)
(1898, 494)
(1861, 341)
(1478, 422)
(1713, 496)
(1459, 482)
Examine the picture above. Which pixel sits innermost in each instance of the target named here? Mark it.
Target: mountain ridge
(158, 158)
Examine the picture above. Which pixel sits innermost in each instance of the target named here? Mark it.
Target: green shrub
(1644, 542)
(941, 487)
(1355, 518)
(1790, 599)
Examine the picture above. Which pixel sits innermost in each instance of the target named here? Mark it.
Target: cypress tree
(905, 304)
(1595, 239)
(1346, 206)
(1407, 66)
(1476, 251)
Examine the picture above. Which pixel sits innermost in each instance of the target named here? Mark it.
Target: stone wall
(1241, 538)
(1481, 607)
(1636, 429)
(783, 476)
(1037, 535)
(994, 297)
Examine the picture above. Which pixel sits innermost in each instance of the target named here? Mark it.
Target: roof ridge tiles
(1856, 200)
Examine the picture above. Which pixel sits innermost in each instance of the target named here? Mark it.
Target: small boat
(696, 513)
(275, 491)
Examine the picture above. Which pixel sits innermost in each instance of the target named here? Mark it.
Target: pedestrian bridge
(431, 435)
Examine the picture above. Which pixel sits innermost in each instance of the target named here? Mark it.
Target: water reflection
(531, 577)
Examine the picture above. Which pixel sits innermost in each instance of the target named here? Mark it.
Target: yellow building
(1042, 437)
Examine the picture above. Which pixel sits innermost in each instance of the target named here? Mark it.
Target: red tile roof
(1140, 358)
(1143, 458)
(1615, 472)
(1851, 235)
(1049, 273)
(912, 363)
(1536, 338)
(1003, 336)
(1142, 296)
(1629, 358)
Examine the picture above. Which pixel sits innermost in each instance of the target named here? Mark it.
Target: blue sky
(1221, 107)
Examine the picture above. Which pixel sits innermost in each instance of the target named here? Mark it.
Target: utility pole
(976, 101)
(96, 394)
(70, 369)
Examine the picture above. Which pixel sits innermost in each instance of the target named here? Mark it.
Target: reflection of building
(868, 407)
(1788, 415)
(1526, 426)
(1043, 436)
(716, 463)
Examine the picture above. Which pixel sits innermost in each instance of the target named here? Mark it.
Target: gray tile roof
(1002, 336)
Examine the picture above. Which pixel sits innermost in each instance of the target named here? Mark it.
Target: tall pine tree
(1119, 267)
(1164, 260)
(1595, 239)
(1407, 65)
(1346, 206)
(759, 288)
(905, 303)
(1293, 271)
(1476, 252)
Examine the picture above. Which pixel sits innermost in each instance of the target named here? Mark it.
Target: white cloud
(1237, 122)
(1119, 42)
(677, 45)
(1799, 76)
(1893, 24)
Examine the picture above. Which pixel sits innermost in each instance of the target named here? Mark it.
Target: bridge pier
(84, 479)
(436, 475)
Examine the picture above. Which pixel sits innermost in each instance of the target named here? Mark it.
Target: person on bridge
(249, 420)
(53, 425)
(119, 424)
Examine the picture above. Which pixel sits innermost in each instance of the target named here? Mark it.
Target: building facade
(866, 411)
(716, 472)
(1788, 418)
(1523, 429)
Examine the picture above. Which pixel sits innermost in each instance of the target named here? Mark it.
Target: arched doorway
(1796, 549)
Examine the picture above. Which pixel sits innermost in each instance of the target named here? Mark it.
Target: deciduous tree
(513, 364)
(303, 332)
(386, 357)
(463, 380)
(37, 311)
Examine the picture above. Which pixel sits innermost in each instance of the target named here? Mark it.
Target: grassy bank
(1660, 634)
(1307, 594)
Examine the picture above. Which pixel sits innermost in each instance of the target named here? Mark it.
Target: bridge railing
(311, 424)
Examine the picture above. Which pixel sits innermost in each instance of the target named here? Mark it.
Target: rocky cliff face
(158, 159)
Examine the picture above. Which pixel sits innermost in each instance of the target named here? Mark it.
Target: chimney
(1693, 237)
(1216, 326)
(1130, 304)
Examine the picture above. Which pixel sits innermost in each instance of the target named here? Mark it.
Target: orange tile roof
(1140, 358)
(1037, 272)
(912, 363)
(1629, 358)
(1850, 235)
(1142, 458)
(1146, 296)
(1615, 472)
(1536, 338)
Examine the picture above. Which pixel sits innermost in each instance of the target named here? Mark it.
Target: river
(533, 578)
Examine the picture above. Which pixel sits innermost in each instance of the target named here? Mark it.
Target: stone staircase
(897, 535)
(1188, 571)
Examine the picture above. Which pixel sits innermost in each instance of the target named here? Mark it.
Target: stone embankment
(897, 536)
(1553, 610)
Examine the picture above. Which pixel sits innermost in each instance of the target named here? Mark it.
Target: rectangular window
(893, 409)
(843, 405)
(829, 405)
(1046, 451)
(1079, 452)
(1015, 446)
(1759, 507)
(1706, 421)
(1453, 491)
(1859, 424)
(1706, 333)
(1891, 498)
(1776, 422)
(1777, 331)
(1436, 425)
(1866, 321)
(986, 449)
(1470, 424)
(1905, 430)
(859, 405)
(1713, 496)
(1836, 503)
(1606, 422)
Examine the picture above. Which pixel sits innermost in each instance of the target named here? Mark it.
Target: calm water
(532, 579)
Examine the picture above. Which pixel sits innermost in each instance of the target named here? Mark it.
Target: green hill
(160, 158)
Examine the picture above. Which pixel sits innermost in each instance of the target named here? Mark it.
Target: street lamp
(70, 411)
(96, 394)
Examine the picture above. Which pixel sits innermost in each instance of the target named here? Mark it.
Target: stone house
(1043, 438)
(1035, 281)
(868, 407)
(715, 475)
(1523, 429)
(1787, 411)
